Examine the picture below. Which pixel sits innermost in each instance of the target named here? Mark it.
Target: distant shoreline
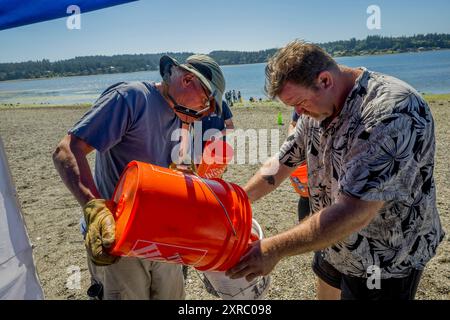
(363, 54)
(388, 53)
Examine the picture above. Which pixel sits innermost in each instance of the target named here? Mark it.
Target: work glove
(185, 168)
(101, 230)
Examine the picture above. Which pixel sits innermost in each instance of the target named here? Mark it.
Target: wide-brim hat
(205, 69)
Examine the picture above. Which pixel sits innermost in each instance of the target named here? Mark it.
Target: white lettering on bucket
(164, 252)
(215, 172)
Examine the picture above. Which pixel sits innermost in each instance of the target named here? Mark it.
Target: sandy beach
(52, 214)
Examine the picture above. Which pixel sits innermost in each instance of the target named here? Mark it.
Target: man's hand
(258, 261)
(101, 229)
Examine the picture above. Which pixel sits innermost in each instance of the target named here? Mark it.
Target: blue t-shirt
(295, 116)
(129, 121)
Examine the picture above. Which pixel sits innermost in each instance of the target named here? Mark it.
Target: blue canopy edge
(15, 13)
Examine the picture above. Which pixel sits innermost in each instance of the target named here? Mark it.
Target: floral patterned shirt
(379, 148)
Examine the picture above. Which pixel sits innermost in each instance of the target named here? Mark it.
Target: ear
(187, 79)
(325, 80)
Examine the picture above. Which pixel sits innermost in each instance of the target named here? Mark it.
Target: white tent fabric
(18, 278)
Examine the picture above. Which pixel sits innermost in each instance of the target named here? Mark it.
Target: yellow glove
(101, 229)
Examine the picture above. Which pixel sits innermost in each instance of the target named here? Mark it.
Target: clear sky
(153, 26)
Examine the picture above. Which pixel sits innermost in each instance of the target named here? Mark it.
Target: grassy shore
(430, 98)
(440, 98)
(38, 105)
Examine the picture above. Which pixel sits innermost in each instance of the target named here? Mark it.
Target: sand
(51, 213)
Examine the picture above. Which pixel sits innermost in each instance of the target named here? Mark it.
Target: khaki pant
(137, 279)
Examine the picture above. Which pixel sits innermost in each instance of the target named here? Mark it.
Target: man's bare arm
(327, 227)
(229, 127)
(73, 167)
(229, 124)
(267, 179)
(323, 229)
(291, 129)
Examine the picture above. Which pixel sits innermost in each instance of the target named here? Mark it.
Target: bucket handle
(191, 170)
(220, 202)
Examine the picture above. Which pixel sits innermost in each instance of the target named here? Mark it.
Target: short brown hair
(299, 62)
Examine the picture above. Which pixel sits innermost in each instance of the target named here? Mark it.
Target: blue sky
(151, 26)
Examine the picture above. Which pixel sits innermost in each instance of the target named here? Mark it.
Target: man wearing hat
(133, 121)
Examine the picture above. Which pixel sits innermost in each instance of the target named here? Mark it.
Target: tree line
(380, 45)
(146, 62)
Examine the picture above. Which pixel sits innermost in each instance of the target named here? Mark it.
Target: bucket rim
(130, 212)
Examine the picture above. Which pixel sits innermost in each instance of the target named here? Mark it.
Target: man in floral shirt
(369, 143)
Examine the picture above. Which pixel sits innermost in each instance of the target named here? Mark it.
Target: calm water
(426, 71)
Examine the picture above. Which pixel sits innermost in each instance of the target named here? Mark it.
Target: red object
(170, 216)
(216, 156)
(299, 180)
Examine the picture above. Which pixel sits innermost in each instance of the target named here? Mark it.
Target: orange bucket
(216, 156)
(170, 216)
(299, 180)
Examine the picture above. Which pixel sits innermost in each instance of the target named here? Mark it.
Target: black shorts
(303, 209)
(355, 288)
